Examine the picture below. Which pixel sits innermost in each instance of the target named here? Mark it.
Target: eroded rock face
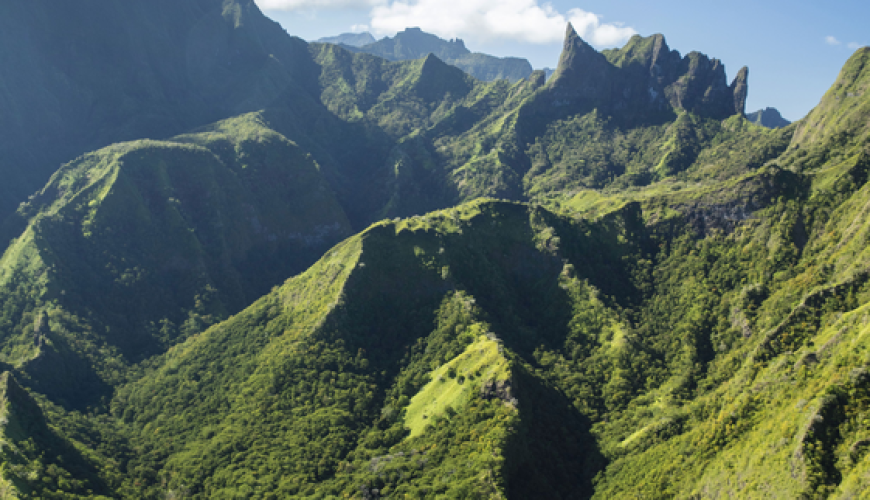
(583, 76)
(500, 389)
(723, 217)
(644, 78)
(740, 89)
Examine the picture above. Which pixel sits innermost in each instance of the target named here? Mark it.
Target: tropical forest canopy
(240, 265)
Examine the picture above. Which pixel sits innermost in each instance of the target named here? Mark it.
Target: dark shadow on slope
(64, 377)
(390, 300)
(27, 429)
(518, 284)
(352, 156)
(553, 456)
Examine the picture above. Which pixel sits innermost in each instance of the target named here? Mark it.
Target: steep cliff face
(584, 76)
(643, 81)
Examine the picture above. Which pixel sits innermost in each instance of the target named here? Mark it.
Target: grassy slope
(447, 391)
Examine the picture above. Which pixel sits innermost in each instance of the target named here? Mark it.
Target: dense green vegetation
(134, 247)
(606, 285)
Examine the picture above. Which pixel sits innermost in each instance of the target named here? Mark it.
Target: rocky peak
(645, 76)
(414, 42)
(583, 73)
(740, 89)
(650, 54)
(437, 79)
(576, 55)
(701, 87)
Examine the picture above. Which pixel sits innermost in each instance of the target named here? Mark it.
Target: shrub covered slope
(608, 285)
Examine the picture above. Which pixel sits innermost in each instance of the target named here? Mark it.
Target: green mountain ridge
(136, 256)
(688, 390)
(668, 301)
(82, 77)
(395, 279)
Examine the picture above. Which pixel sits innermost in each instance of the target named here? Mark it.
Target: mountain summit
(768, 117)
(351, 39)
(414, 43)
(645, 76)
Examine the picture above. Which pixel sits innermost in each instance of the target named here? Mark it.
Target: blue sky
(794, 50)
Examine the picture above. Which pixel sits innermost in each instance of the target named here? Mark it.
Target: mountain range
(351, 39)
(242, 265)
(414, 43)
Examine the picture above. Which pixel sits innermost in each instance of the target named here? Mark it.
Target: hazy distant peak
(414, 43)
(768, 117)
(352, 39)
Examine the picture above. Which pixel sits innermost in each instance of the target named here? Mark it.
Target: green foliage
(447, 391)
(37, 462)
(171, 236)
(681, 311)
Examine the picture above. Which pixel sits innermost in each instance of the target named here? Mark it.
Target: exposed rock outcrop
(583, 74)
(501, 389)
(643, 79)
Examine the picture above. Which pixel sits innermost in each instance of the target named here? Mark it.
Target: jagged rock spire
(643, 78)
(739, 89)
(583, 73)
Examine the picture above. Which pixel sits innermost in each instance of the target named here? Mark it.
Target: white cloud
(521, 20)
(359, 28)
(831, 40)
(589, 27)
(316, 4)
